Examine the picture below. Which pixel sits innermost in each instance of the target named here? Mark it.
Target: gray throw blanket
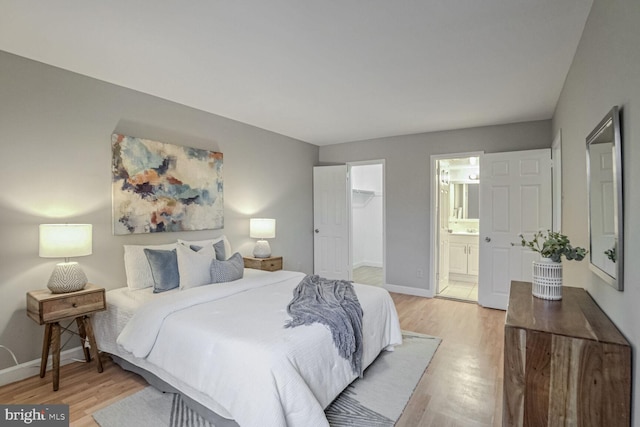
(333, 303)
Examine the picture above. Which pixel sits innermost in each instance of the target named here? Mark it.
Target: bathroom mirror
(465, 200)
(604, 178)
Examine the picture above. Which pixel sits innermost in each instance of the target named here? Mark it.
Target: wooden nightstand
(268, 264)
(48, 309)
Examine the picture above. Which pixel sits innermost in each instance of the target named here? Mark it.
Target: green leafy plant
(611, 254)
(552, 245)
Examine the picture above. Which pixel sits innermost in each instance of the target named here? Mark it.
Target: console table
(565, 362)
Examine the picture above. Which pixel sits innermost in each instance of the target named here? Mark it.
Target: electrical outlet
(419, 273)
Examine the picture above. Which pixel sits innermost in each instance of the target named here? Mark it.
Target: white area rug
(377, 399)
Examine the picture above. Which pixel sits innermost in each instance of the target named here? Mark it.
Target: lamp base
(67, 277)
(262, 249)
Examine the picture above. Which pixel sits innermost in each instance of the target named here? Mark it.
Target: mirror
(604, 178)
(465, 200)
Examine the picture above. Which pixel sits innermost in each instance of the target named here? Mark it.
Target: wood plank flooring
(461, 387)
(463, 383)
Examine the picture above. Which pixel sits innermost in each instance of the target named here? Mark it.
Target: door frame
(434, 219)
(384, 214)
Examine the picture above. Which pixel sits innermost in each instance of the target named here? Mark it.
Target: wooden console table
(565, 362)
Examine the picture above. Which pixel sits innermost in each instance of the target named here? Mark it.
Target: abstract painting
(159, 187)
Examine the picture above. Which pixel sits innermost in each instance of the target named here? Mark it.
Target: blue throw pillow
(218, 247)
(227, 271)
(164, 269)
(220, 252)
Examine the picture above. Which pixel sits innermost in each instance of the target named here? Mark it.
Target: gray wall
(407, 183)
(55, 136)
(605, 72)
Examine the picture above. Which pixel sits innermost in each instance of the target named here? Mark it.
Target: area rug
(375, 400)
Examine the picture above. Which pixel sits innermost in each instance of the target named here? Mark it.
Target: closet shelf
(360, 198)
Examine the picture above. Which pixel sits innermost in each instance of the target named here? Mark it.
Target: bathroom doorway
(457, 224)
(367, 222)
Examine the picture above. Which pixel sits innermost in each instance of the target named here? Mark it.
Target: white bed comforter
(228, 342)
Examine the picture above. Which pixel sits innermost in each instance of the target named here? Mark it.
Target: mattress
(231, 353)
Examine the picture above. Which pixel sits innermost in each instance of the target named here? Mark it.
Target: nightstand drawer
(54, 307)
(267, 264)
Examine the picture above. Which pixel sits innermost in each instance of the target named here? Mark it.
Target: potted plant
(553, 245)
(547, 273)
(611, 254)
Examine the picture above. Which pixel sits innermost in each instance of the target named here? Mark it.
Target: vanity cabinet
(463, 255)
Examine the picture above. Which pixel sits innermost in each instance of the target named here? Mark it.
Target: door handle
(487, 239)
(316, 230)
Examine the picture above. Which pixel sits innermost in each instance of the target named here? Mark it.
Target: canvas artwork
(159, 187)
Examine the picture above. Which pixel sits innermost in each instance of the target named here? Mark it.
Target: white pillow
(195, 267)
(210, 242)
(136, 265)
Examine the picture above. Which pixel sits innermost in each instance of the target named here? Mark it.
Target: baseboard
(408, 290)
(31, 368)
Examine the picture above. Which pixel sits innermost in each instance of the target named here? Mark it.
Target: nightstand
(49, 309)
(268, 264)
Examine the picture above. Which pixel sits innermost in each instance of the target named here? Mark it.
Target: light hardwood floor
(463, 383)
(461, 387)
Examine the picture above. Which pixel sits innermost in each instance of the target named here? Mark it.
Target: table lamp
(66, 241)
(262, 228)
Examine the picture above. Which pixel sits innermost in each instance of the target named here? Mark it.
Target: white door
(331, 222)
(443, 270)
(602, 223)
(515, 197)
(442, 205)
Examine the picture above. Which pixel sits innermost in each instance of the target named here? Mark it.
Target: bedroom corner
(57, 128)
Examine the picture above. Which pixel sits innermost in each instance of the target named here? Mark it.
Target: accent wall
(605, 72)
(55, 138)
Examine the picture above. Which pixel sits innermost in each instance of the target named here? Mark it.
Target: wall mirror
(604, 178)
(465, 200)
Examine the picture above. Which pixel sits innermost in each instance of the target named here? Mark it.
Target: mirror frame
(611, 119)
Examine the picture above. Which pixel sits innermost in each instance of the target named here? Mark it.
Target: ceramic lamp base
(67, 277)
(262, 249)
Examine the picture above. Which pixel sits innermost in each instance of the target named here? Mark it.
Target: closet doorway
(367, 222)
(458, 226)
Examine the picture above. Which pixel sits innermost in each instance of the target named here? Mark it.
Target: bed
(225, 347)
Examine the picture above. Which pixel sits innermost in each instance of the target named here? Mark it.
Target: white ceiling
(318, 70)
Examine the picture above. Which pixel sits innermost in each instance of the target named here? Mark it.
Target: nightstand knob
(74, 305)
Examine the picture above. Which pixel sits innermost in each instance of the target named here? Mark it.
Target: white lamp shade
(262, 228)
(65, 240)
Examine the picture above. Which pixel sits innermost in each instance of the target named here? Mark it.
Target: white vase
(547, 279)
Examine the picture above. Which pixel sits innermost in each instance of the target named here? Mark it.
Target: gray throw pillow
(227, 271)
(164, 269)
